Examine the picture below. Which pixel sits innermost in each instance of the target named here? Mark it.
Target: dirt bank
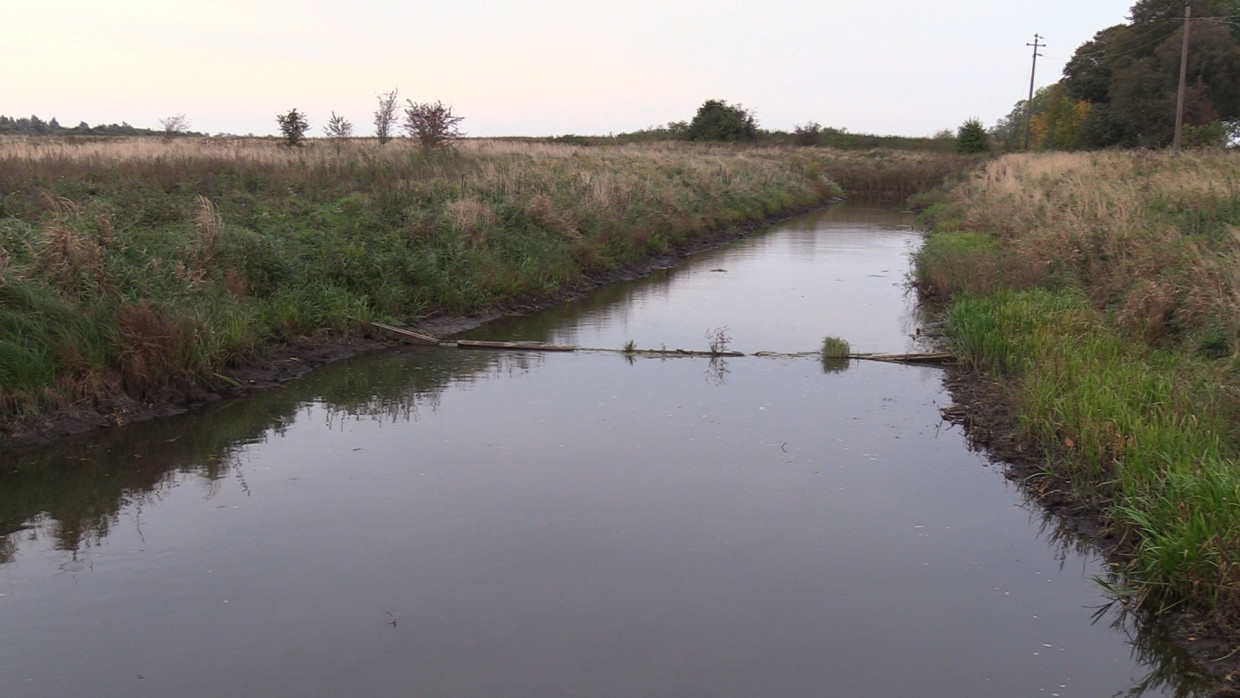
(284, 362)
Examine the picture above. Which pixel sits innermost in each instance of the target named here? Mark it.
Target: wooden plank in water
(520, 346)
(408, 335)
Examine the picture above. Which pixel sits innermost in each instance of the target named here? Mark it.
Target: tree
(809, 134)
(293, 126)
(971, 137)
(716, 120)
(385, 116)
(1129, 74)
(174, 126)
(339, 129)
(432, 125)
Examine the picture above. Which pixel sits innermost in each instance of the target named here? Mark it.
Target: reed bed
(138, 266)
(1101, 289)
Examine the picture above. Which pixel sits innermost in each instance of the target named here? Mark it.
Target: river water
(441, 522)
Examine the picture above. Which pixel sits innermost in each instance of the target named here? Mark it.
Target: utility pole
(1179, 102)
(1029, 104)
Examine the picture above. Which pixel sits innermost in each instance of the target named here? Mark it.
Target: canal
(442, 522)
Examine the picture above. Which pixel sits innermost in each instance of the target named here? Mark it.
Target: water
(438, 522)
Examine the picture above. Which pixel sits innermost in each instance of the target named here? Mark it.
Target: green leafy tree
(293, 127)
(971, 137)
(716, 120)
(1129, 74)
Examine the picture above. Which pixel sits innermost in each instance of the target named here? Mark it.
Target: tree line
(1120, 88)
(34, 126)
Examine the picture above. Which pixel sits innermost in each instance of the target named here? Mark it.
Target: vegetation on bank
(1102, 291)
(138, 266)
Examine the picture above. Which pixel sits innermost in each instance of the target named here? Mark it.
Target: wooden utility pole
(1029, 104)
(1179, 102)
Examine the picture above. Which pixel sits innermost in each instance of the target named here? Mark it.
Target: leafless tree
(174, 126)
(432, 125)
(339, 129)
(385, 116)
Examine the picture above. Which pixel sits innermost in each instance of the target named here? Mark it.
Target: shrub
(293, 127)
(971, 137)
(717, 120)
(433, 126)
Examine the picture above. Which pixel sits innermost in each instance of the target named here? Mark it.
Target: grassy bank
(1102, 291)
(134, 267)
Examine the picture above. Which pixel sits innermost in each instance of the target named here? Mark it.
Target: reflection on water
(830, 273)
(77, 489)
(439, 522)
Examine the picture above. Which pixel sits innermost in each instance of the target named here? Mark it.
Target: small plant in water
(835, 348)
(835, 353)
(718, 339)
(630, 347)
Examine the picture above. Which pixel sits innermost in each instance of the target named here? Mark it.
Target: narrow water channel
(438, 522)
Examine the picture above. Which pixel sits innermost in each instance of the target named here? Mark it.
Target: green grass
(1144, 433)
(1100, 290)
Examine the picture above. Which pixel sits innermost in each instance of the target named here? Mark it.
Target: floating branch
(522, 346)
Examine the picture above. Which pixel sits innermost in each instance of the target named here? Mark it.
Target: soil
(110, 406)
(983, 409)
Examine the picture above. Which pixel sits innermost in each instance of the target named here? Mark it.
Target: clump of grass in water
(835, 348)
(718, 339)
(630, 347)
(834, 354)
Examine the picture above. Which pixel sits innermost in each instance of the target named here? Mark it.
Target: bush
(971, 137)
(293, 127)
(433, 126)
(717, 120)
(809, 134)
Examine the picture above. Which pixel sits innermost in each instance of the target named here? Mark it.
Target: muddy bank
(981, 407)
(112, 407)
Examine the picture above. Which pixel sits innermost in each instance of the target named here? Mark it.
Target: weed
(835, 348)
(718, 339)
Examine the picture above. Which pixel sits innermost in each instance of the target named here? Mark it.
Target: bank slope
(1102, 292)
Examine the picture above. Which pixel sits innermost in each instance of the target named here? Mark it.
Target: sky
(537, 67)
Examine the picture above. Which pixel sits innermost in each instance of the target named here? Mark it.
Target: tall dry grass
(1149, 236)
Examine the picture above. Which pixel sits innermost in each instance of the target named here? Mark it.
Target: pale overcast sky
(537, 67)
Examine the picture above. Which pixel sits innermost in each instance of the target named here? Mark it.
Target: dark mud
(983, 409)
(110, 406)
